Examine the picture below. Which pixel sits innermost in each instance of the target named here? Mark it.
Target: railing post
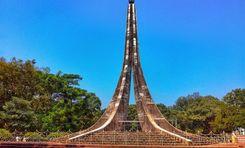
(114, 137)
(103, 137)
(126, 138)
(149, 137)
(161, 138)
(137, 137)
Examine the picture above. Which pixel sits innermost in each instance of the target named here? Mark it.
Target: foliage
(226, 118)
(33, 136)
(17, 78)
(132, 116)
(5, 134)
(132, 113)
(32, 99)
(164, 110)
(235, 101)
(205, 114)
(73, 114)
(195, 114)
(236, 98)
(241, 118)
(17, 114)
(54, 135)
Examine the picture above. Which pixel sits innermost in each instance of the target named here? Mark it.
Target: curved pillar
(149, 115)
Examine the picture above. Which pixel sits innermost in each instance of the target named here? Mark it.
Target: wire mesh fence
(36, 136)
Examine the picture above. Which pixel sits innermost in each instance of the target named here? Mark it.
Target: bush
(55, 135)
(33, 136)
(5, 135)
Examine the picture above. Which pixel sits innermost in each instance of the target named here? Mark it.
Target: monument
(154, 128)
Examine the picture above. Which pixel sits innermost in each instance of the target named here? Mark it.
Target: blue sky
(185, 45)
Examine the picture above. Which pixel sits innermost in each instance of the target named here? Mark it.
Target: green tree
(5, 135)
(164, 110)
(196, 113)
(49, 95)
(18, 115)
(132, 113)
(75, 113)
(132, 116)
(17, 78)
(236, 98)
(226, 118)
(241, 118)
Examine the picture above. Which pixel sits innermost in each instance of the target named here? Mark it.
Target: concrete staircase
(138, 138)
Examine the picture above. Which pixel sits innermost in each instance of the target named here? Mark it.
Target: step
(241, 139)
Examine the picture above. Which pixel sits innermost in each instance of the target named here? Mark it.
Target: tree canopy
(33, 98)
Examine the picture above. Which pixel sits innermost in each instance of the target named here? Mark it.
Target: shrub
(55, 135)
(5, 135)
(33, 136)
